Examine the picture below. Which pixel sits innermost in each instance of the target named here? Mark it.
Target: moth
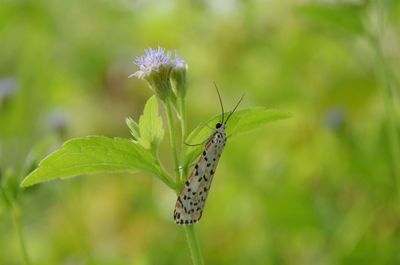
(192, 198)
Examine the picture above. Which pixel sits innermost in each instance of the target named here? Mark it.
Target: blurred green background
(319, 188)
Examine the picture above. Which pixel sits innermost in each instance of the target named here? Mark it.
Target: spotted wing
(190, 203)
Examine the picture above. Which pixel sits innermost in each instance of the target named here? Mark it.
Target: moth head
(220, 127)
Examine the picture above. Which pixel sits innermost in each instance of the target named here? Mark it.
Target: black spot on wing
(179, 199)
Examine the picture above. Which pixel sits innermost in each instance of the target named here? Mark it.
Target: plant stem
(190, 231)
(166, 179)
(194, 246)
(172, 135)
(17, 223)
(183, 133)
(163, 173)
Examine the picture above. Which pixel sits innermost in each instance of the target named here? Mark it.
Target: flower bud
(155, 67)
(178, 76)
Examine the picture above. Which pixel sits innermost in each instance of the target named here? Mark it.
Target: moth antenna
(237, 105)
(220, 102)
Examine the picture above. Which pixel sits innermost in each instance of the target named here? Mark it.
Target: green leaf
(241, 122)
(134, 128)
(93, 154)
(151, 125)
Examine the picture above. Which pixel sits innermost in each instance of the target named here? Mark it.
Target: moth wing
(190, 203)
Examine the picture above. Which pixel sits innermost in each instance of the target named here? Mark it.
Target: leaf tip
(26, 182)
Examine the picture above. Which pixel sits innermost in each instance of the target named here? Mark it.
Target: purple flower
(159, 70)
(152, 61)
(178, 62)
(155, 67)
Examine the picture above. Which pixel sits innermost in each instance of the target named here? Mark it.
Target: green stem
(194, 246)
(172, 135)
(190, 231)
(163, 174)
(182, 107)
(17, 223)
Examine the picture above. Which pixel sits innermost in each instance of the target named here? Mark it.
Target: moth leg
(211, 128)
(192, 164)
(202, 143)
(206, 140)
(208, 126)
(195, 144)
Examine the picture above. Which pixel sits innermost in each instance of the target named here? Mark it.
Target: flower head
(155, 67)
(178, 62)
(152, 61)
(160, 71)
(178, 75)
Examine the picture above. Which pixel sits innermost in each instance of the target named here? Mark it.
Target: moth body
(190, 203)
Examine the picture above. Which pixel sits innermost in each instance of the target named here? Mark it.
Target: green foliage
(134, 128)
(241, 122)
(149, 132)
(97, 154)
(316, 189)
(151, 125)
(343, 18)
(93, 154)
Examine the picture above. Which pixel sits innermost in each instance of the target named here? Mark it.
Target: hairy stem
(172, 135)
(194, 246)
